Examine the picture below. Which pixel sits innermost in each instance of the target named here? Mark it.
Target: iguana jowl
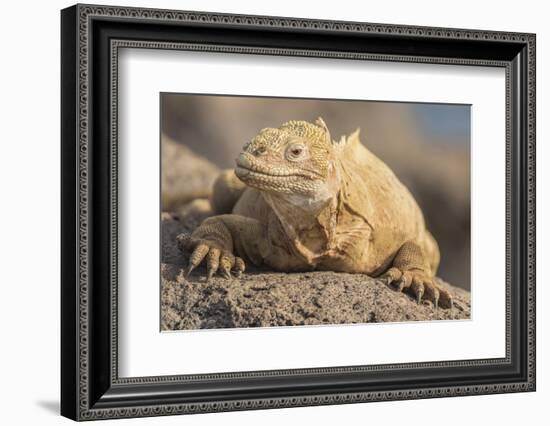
(299, 201)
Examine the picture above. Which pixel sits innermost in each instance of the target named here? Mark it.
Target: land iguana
(299, 201)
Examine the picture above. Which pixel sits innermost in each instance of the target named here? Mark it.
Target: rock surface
(185, 175)
(264, 298)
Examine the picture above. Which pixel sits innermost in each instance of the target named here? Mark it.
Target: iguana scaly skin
(299, 201)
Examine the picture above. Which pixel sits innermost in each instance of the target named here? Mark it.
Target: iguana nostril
(261, 150)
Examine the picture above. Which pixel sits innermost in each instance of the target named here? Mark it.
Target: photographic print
(294, 212)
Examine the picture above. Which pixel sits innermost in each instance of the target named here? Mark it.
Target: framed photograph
(263, 212)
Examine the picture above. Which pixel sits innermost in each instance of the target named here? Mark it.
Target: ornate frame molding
(82, 16)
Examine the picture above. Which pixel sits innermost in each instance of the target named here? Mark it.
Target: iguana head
(293, 160)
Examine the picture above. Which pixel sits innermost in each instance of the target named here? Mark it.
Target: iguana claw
(209, 274)
(217, 259)
(188, 271)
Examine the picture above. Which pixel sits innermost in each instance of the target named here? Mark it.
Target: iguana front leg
(411, 270)
(223, 241)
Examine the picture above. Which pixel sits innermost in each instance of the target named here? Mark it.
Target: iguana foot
(218, 259)
(420, 284)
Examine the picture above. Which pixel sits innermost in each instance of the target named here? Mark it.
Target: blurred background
(426, 145)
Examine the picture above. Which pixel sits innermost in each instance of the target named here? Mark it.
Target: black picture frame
(90, 386)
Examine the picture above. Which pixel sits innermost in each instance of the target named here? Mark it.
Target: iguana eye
(296, 151)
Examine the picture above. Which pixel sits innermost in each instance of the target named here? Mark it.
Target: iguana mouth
(245, 172)
(248, 168)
